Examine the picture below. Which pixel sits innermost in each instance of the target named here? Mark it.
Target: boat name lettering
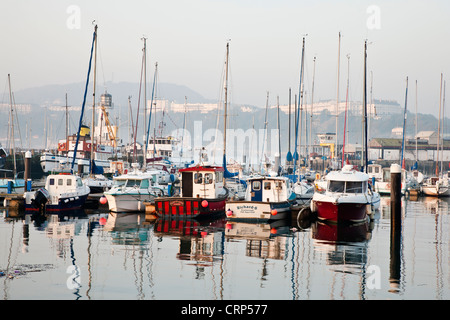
(246, 207)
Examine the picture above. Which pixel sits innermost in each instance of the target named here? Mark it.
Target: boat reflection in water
(263, 240)
(345, 245)
(201, 241)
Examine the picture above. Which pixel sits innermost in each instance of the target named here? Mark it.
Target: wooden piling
(396, 227)
(27, 174)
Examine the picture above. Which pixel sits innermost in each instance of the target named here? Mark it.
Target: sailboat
(131, 190)
(96, 181)
(302, 188)
(203, 191)
(64, 191)
(348, 197)
(382, 176)
(11, 185)
(92, 149)
(437, 185)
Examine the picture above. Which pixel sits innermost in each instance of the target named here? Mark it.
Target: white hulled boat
(61, 192)
(131, 190)
(266, 198)
(347, 197)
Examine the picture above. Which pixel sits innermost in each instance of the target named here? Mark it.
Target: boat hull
(128, 202)
(257, 211)
(385, 187)
(443, 191)
(336, 212)
(64, 204)
(188, 207)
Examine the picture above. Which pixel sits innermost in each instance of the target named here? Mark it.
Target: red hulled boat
(202, 194)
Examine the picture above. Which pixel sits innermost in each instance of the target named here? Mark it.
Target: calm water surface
(97, 255)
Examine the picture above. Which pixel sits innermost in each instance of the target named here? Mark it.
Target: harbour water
(94, 255)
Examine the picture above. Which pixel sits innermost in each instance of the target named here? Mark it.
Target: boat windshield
(336, 186)
(133, 183)
(119, 183)
(347, 186)
(354, 187)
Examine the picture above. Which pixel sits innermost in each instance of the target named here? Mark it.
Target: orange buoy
(103, 200)
(273, 212)
(204, 203)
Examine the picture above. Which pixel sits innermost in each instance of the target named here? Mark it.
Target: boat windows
(336, 186)
(79, 182)
(133, 183)
(119, 183)
(198, 178)
(144, 184)
(69, 182)
(219, 176)
(208, 178)
(256, 185)
(267, 185)
(387, 175)
(278, 185)
(354, 187)
(52, 182)
(60, 182)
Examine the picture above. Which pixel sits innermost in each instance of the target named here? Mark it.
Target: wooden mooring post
(396, 227)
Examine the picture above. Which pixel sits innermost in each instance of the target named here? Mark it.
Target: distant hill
(55, 94)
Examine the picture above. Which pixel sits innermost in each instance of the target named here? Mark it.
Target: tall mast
(404, 125)
(312, 104)
(439, 130)
(365, 108)
(345, 118)
(225, 104)
(93, 102)
(300, 102)
(289, 155)
(416, 123)
(278, 124)
(67, 125)
(337, 96)
(12, 127)
(145, 101)
(225, 113)
(443, 128)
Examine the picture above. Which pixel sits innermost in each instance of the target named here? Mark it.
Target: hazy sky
(48, 42)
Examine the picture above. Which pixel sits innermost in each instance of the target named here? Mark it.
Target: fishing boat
(347, 197)
(61, 192)
(436, 186)
(202, 193)
(266, 198)
(131, 190)
(382, 177)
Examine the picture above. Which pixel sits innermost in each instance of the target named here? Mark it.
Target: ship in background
(104, 147)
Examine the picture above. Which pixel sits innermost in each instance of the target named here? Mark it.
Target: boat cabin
(382, 174)
(202, 182)
(268, 189)
(347, 181)
(57, 184)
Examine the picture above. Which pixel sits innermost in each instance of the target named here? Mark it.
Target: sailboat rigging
(94, 37)
(402, 159)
